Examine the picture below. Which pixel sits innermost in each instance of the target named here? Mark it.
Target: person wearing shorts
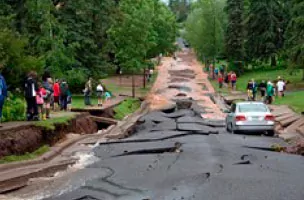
(280, 87)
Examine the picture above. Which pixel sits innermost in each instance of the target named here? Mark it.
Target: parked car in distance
(251, 117)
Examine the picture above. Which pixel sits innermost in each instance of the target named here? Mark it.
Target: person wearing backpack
(64, 90)
(30, 93)
(3, 94)
(48, 86)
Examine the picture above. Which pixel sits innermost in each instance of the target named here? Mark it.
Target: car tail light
(269, 118)
(240, 118)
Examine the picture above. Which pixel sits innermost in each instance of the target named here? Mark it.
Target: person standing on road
(270, 92)
(262, 87)
(87, 92)
(64, 92)
(250, 90)
(280, 87)
(56, 89)
(30, 92)
(3, 95)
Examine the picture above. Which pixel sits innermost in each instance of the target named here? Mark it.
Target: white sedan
(250, 117)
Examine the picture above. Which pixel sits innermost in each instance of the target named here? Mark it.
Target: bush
(13, 109)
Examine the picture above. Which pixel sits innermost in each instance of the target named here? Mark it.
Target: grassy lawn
(50, 123)
(294, 100)
(78, 101)
(295, 80)
(127, 107)
(27, 156)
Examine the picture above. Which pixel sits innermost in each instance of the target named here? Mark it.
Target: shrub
(13, 109)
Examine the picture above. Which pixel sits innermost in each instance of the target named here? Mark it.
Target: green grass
(294, 100)
(126, 107)
(27, 156)
(295, 80)
(50, 123)
(78, 101)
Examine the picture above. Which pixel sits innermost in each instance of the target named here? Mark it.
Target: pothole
(181, 95)
(179, 80)
(172, 149)
(180, 88)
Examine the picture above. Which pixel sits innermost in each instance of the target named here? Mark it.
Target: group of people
(102, 93)
(43, 96)
(229, 78)
(268, 90)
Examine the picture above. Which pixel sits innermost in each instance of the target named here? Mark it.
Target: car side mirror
(227, 111)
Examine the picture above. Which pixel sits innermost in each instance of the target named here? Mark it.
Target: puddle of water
(62, 182)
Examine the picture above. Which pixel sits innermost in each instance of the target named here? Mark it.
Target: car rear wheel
(228, 127)
(270, 133)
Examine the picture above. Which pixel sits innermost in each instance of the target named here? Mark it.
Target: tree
(204, 28)
(295, 36)
(235, 31)
(131, 34)
(265, 28)
(180, 8)
(163, 30)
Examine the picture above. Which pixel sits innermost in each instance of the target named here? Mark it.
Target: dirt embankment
(28, 138)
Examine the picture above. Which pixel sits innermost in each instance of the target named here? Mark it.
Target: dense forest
(248, 32)
(76, 39)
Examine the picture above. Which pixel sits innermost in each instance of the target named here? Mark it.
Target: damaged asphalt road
(175, 156)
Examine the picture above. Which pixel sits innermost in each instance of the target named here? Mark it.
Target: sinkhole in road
(173, 149)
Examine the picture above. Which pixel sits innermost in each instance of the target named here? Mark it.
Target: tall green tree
(295, 36)
(235, 31)
(205, 28)
(131, 34)
(265, 29)
(163, 30)
(180, 8)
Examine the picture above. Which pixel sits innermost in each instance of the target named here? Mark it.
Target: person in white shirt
(99, 92)
(280, 87)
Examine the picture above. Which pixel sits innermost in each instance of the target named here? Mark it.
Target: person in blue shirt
(3, 94)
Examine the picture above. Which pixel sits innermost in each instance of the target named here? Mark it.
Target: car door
(231, 114)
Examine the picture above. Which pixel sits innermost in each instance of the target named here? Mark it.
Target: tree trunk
(273, 61)
(144, 78)
(133, 84)
(213, 75)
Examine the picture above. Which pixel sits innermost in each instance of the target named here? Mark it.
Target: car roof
(250, 102)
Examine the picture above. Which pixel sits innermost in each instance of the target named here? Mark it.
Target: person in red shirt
(56, 89)
(220, 80)
(233, 80)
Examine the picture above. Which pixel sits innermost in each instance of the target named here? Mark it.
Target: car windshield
(244, 108)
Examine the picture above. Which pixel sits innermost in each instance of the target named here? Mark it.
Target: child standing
(40, 101)
(99, 92)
